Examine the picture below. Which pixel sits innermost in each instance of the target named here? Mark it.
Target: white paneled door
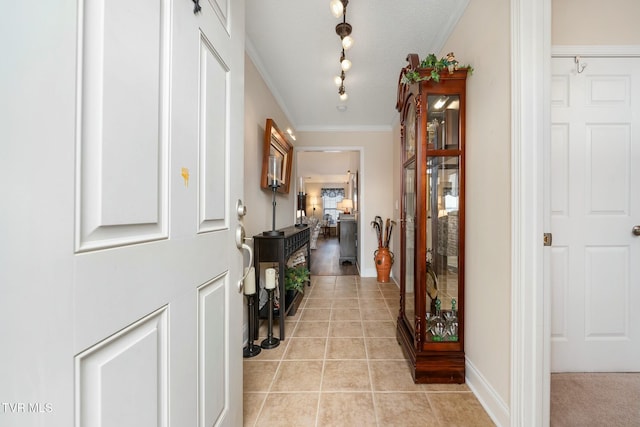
(595, 205)
(123, 129)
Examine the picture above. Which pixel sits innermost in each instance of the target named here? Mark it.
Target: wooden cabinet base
(432, 367)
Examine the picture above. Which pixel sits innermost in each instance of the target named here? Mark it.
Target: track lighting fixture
(343, 30)
(337, 7)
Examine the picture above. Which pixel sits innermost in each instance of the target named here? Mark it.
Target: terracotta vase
(383, 258)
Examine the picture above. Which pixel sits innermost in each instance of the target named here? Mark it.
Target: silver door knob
(241, 209)
(636, 230)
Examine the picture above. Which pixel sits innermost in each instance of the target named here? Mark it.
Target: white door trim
(530, 124)
(625, 51)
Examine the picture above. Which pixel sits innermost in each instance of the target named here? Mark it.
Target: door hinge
(547, 239)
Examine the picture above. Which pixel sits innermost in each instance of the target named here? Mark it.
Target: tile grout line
(366, 347)
(324, 362)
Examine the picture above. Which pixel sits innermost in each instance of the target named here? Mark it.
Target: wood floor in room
(325, 260)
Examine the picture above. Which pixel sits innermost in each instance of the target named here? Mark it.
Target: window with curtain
(330, 199)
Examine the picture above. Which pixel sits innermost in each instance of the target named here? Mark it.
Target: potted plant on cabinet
(449, 63)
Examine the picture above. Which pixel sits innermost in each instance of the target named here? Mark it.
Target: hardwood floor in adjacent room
(325, 260)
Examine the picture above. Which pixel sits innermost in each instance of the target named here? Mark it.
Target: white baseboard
(497, 409)
(368, 272)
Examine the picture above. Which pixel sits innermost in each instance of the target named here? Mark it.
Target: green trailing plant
(295, 278)
(436, 65)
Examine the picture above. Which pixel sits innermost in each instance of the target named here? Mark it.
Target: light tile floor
(341, 365)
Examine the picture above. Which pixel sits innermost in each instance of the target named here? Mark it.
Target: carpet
(595, 399)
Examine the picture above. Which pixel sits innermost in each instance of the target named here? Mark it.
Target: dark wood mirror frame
(275, 143)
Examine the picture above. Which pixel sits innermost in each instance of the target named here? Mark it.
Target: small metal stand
(270, 341)
(273, 232)
(302, 206)
(251, 349)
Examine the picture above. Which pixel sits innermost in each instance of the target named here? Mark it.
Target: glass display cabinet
(431, 318)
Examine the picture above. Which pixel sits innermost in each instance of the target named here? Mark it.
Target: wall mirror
(276, 144)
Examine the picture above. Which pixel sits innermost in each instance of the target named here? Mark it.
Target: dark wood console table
(278, 249)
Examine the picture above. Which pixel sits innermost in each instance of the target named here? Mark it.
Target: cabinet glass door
(443, 225)
(409, 216)
(443, 122)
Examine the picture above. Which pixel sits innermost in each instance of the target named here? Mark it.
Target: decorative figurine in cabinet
(431, 317)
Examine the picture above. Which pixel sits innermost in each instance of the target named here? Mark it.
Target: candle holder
(273, 184)
(302, 205)
(251, 349)
(273, 231)
(250, 292)
(270, 341)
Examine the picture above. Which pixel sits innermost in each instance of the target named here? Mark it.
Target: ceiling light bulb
(337, 80)
(345, 64)
(347, 42)
(336, 8)
(344, 96)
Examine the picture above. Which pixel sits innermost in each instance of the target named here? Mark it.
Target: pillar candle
(270, 276)
(250, 282)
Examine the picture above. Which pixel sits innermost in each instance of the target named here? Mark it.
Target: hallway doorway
(330, 176)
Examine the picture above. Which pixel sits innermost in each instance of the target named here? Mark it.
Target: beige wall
(397, 194)
(375, 183)
(260, 105)
(593, 22)
(481, 39)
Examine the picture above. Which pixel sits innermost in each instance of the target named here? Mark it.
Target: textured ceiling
(294, 46)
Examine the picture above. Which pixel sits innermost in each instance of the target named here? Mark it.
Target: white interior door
(122, 277)
(595, 203)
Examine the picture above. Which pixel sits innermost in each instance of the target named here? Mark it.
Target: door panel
(127, 372)
(121, 281)
(595, 202)
(608, 175)
(212, 360)
(214, 121)
(606, 290)
(123, 82)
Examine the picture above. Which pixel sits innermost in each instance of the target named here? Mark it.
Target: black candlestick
(302, 207)
(270, 341)
(273, 232)
(251, 349)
